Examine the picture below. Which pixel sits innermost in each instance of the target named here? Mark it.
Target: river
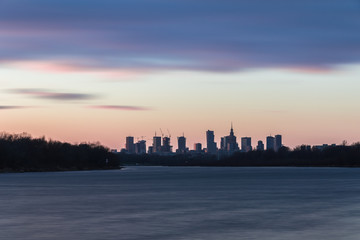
(176, 203)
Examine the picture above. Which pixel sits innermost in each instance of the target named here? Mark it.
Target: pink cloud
(63, 68)
(121, 107)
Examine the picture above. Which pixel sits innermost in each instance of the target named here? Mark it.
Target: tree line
(22, 153)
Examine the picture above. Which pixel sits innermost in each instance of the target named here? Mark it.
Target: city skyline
(161, 145)
(245, 144)
(228, 144)
(88, 71)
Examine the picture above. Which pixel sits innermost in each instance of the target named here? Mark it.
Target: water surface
(182, 203)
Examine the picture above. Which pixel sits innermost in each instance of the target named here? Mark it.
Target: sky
(101, 70)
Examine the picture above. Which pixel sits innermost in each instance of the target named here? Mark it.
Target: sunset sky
(100, 70)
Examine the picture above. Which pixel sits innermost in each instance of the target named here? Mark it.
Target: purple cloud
(121, 107)
(208, 35)
(60, 96)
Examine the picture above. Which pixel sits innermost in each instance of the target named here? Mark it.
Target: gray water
(182, 203)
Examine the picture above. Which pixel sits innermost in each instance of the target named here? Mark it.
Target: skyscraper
(270, 143)
(140, 147)
(130, 148)
(156, 144)
(278, 142)
(230, 143)
(166, 147)
(246, 144)
(181, 145)
(210, 144)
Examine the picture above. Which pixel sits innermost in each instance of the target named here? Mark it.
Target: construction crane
(162, 134)
(169, 133)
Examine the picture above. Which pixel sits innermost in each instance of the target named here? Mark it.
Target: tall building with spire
(230, 144)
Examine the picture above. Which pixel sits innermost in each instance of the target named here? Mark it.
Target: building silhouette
(140, 147)
(229, 143)
(129, 146)
(260, 146)
(246, 144)
(210, 143)
(278, 142)
(198, 147)
(270, 143)
(166, 147)
(181, 145)
(156, 144)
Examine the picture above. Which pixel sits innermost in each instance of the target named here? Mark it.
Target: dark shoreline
(3, 171)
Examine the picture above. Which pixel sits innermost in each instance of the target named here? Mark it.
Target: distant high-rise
(156, 144)
(260, 146)
(198, 147)
(181, 145)
(270, 143)
(210, 143)
(130, 148)
(166, 147)
(140, 147)
(230, 144)
(278, 142)
(246, 144)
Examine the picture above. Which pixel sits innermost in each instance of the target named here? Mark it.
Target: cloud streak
(12, 107)
(121, 107)
(203, 35)
(57, 96)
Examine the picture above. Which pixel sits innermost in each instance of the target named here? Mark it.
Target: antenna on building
(231, 130)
